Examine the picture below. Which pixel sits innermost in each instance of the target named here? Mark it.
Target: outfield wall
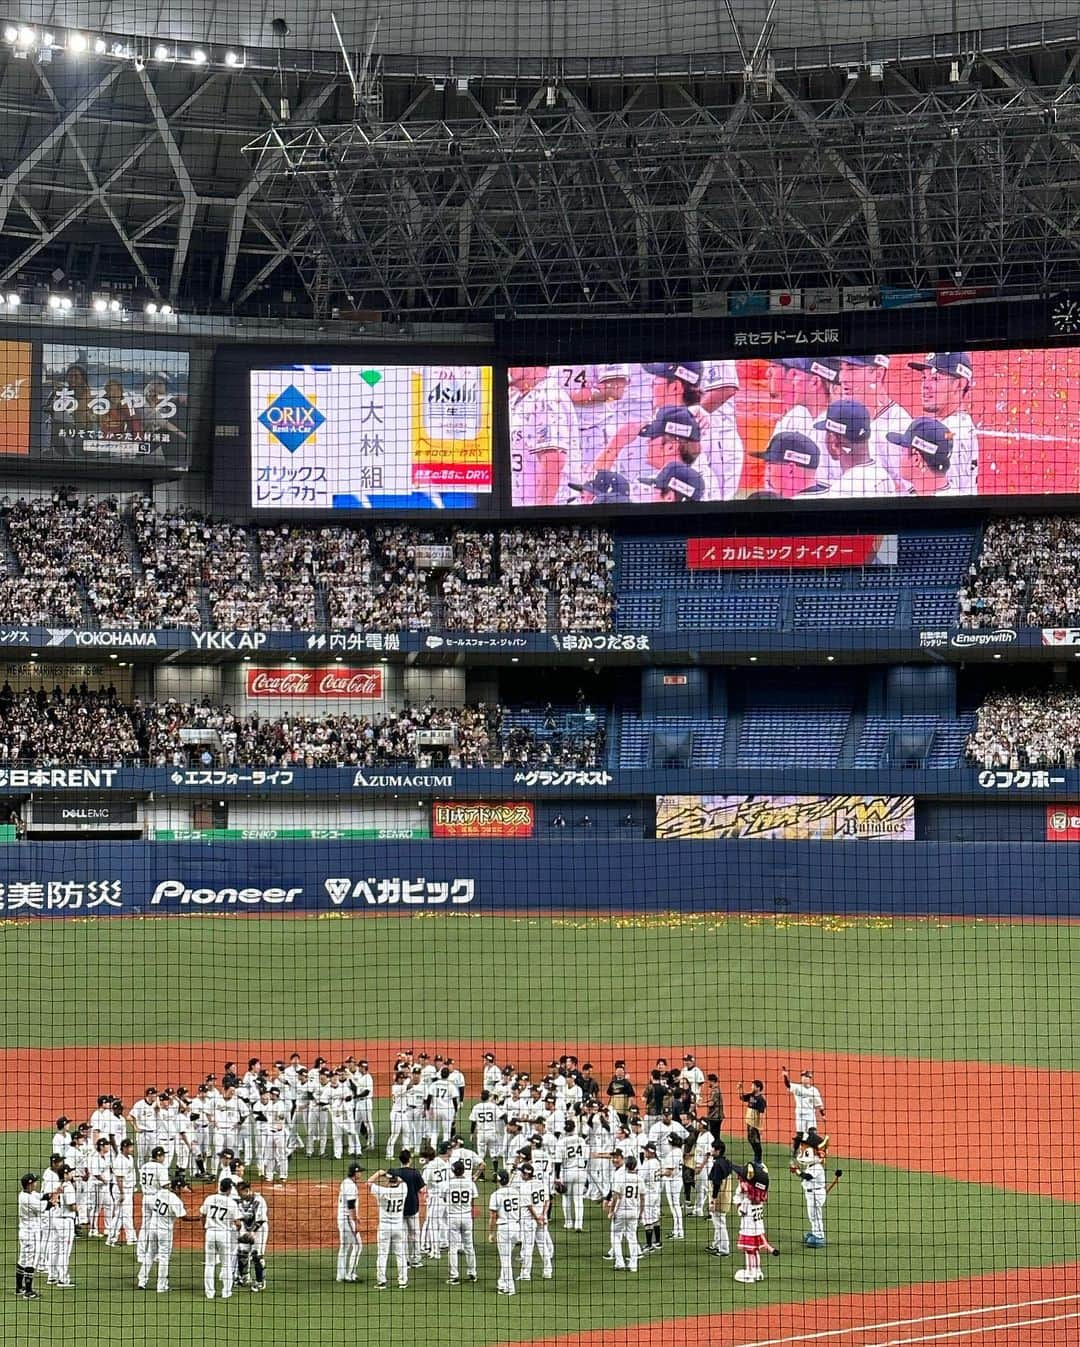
(133, 879)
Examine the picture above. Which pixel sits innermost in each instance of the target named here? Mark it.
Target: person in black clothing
(754, 1099)
(408, 1174)
(620, 1090)
(721, 1186)
(590, 1088)
(714, 1104)
(656, 1094)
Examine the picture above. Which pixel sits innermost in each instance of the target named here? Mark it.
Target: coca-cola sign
(365, 685)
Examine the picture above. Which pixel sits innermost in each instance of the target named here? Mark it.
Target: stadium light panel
(198, 56)
(161, 52)
(77, 43)
(11, 33)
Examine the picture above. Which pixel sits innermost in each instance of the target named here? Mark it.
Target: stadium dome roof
(526, 29)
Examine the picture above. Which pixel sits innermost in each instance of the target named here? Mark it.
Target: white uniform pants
(346, 1142)
(319, 1130)
(123, 1220)
(535, 1237)
(487, 1143)
(434, 1235)
(392, 1241)
(157, 1247)
(673, 1193)
(624, 1229)
(30, 1246)
(144, 1144)
(61, 1238)
(701, 1192)
(721, 1238)
(461, 1242)
(573, 1202)
(439, 1125)
(505, 1239)
(349, 1247)
(220, 1248)
(365, 1119)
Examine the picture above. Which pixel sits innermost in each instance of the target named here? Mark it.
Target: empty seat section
(736, 612)
(846, 610)
(790, 737)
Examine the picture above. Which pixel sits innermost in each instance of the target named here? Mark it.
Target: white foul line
(971, 1332)
(906, 1323)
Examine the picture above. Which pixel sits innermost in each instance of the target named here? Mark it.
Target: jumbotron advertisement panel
(345, 437)
(935, 424)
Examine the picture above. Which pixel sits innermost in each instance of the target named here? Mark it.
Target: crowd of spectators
(414, 736)
(73, 725)
(1038, 728)
(1027, 573)
(127, 563)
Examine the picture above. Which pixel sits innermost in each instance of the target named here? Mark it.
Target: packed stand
(134, 566)
(1028, 571)
(1027, 729)
(76, 725)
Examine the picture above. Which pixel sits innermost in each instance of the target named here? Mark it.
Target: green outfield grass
(989, 991)
(886, 1228)
(914, 988)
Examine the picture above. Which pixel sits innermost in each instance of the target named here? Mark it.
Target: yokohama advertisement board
(364, 685)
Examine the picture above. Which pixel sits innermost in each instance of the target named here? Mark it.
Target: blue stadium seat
(792, 737)
(736, 612)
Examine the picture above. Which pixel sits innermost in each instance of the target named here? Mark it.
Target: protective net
(538, 729)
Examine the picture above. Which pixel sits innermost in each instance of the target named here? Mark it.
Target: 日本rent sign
(800, 553)
(357, 684)
(460, 818)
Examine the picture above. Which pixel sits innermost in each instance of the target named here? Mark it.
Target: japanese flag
(785, 301)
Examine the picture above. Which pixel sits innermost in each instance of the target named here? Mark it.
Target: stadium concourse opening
(540, 714)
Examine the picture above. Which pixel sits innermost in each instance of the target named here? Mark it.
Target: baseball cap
(847, 418)
(650, 1146)
(866, 361)
(930, 438)
(684, 482)
(606, 486)
(955, 363)
(679, 422)
(825, 367)
(28, 1178)
(790, 446)
(689, 371)
(613, 372)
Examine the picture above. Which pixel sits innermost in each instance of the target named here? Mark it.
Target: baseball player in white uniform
(343, 1117)
(441, 1106)
(863, 378)
(651, 1196)
(804, 388)
(460, 1194)
(398, 1091)
(348, 1223)
(220, 1214)
(32, 1208)
(504, 1229)
(809, 1106)
(153, 1177)
(572, 1171)
(436, 1174)
(62, 1231)
(701, 1163)
(123, 1211)
(545, 453)
(228, 1116)
(623, 1208)
(483, 1125)
(535, 1201)
(364, 1085)
(946, 386)
(388, 1190)
(166, 1210)
(724, 446)
(99, 1204)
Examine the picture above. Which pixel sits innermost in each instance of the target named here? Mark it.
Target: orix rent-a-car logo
(292, 418)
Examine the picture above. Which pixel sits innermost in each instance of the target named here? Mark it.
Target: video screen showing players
(370, 437)
(111, 405)
(852, 427)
